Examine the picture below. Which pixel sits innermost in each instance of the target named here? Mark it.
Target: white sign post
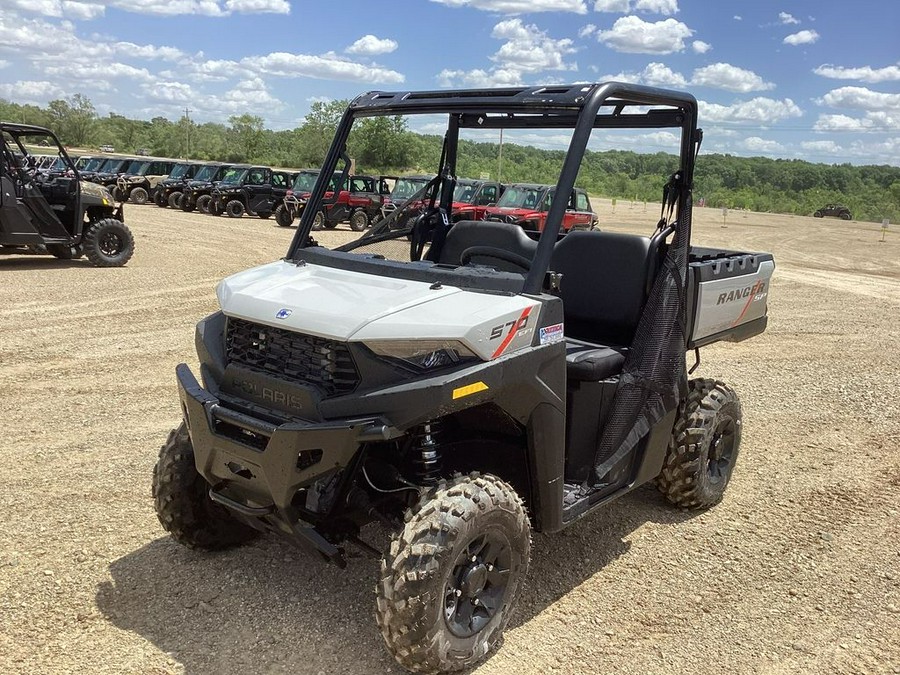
(884, 228)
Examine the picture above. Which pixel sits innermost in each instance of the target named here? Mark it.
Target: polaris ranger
(170, 189)
(463, 383)
(197, 193)
(139, 183)
(249, 189)
(56, 212)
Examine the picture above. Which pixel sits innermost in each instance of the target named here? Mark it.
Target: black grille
(290, 356)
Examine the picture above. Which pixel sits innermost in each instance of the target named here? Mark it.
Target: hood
(199, 183)
(508, 211)
(345, 305)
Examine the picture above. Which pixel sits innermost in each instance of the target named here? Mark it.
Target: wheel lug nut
(474, 601)
(458, 592)
(474, 558)
(490, 568)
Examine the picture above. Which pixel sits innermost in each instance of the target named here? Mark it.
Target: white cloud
(760, 110)
(37, 92)
(861, 98)
(632, 35)
(480, 78)
(258, 6)
(529, 49)
(328, 66)
(738, 17)
(93, 9)
(170, 92)
(804, 37)
(787, 19)
(519, 6)
(864, 73)
(821, 146)
(660, 75)
(700, 47)
(664, 7)
(3, 64)
(587, 30)
(872, 121)
(369, 45)
(731, 78)
(757, 144)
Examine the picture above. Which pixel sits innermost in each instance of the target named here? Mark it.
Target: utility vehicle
(463, 383)
(248, 189)
(835, 210)
(138, 184)
(471, 198)
(196, 193)
(528, 205)
(56, 212)
(170, 189)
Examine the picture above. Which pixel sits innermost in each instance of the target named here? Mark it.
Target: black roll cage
(580, 107)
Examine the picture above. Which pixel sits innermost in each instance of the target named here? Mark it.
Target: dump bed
(727, 295)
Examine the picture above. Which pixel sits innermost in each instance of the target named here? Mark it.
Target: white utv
(463, 383)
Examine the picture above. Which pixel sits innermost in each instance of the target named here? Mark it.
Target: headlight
(424, 354)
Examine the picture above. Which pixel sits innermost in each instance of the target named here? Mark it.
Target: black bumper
(261, 466)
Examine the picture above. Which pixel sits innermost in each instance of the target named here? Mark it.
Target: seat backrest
(468, 233)
(606, 278)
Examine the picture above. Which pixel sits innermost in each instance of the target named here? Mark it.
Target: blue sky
(784, 78)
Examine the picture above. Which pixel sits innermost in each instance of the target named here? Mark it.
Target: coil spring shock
(427, 460)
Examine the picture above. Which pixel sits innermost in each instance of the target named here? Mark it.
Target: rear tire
(818, 214)
(64, 252)
(319, 220)
(175, 199)
(846, 216)
(183, 506)
(203, 202)
(139, 196)
(359, 221)
(234, 208)
(704, 446)
(108, 243)
(283, 216)
(449, 582)
(117, 193)
(160, 199)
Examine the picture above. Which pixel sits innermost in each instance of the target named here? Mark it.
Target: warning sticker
(551, 334)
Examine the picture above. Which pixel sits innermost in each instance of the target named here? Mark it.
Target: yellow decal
(468, 390)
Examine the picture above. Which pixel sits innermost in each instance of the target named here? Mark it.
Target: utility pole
(187, 132)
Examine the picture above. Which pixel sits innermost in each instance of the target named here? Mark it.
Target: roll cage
(581, 108)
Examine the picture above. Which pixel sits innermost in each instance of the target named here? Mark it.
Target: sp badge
(283, 313)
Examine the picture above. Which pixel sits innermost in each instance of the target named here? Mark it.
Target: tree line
(386, 145)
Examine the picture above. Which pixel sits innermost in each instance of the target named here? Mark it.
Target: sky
(800, 79)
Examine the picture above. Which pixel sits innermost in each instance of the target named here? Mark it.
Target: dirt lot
(797, 571)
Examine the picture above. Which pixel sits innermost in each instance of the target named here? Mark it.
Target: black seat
(606, 279)
(468, 233)
(592, 363)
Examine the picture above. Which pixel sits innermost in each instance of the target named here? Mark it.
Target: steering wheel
(498, 253)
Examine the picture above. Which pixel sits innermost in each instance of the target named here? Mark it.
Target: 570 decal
(520, 323)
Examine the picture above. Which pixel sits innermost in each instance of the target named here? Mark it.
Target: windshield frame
(240, 176)
(575, 107)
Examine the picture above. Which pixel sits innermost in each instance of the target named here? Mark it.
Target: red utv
(472, 197)
(527, 205)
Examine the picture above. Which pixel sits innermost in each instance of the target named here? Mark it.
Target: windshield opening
(517, 197)
(465, 192)
(206, 173)
(138, 168)
(234, 176)
(179, 170)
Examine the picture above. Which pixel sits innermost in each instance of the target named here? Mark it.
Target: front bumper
(259, 465)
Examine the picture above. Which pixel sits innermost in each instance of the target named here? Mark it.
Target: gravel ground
(797, 571)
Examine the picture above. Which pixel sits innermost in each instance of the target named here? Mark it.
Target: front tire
(359, 221)
(846, 216)
(283, 216)
(203, 203)
(183, 506)
(139, 196)
(818, 214)
(160, 199)
(319, 220)
(449, 582)
(175, 199)
(234, 208)
(108, 243)
(704, 446)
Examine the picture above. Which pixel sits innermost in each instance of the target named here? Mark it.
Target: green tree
(72, 118)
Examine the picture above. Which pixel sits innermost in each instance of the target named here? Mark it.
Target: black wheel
(118, 193)
(139, 195)
(283, 216)
(818, 214)
(175, 199)
(108, 243)
(319, 220)
(64, 252)
(846, 216)
(265, 215)
(449, 582)
(183, 506)
(160, 199)
(203, 203)
(704, 446)
(187, 205)
(359, 221)
(234, 208)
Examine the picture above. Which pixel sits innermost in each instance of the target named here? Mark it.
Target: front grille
(293, 357)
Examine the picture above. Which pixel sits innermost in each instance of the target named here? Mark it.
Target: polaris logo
(267, 394)
(755, 290)
(283, 313)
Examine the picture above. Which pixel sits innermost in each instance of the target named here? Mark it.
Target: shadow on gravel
(270, 608)
(38, 262)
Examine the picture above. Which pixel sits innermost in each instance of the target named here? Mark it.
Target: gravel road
(797, 571)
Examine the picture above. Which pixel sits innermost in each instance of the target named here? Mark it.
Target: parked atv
(472, 197)
(836, 210)
(60, 212)
(254, 190)
(463, 383)
(138, 184)
(528, 205)
(294, 200)
(170, 189)
(197, 193)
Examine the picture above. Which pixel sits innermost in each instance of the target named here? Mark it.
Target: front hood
(344, 305)
(97, 191)
(196, 184)
(503, 212)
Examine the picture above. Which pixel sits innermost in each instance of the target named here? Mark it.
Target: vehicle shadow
(26, 261)
(269, 604)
